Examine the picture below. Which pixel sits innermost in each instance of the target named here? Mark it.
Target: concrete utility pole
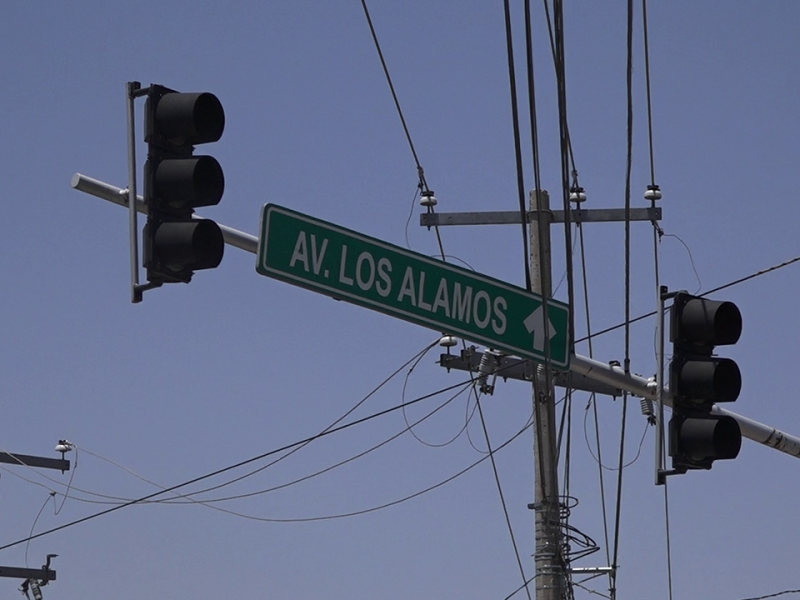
(550, 574)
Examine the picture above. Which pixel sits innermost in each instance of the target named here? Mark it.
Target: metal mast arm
(580, 366)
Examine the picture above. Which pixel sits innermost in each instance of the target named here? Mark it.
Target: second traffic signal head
(698, 380)
(177, 182)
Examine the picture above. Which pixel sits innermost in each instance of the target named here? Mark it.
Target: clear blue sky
(233, 365)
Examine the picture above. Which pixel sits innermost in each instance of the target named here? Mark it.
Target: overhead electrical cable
(502, 497)
(565, 153)
(211, 503)
(235, 466)
(385, 505)
(189, 498)
(774, 595)
(657, 234)
(50, 496)
(649, 95)
(777, 267)
(474, 392)
(322, 518)
(542, 382)
(329, 427)
(410, 426)
(537, 177)
(520, 588)
(627, 359)
(512, 81)
(565, 146)
(423, 184)
(262, 468)
(593, 398)
(597, 458)
(555, 60)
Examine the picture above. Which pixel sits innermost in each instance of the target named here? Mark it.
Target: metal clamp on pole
(134, 90)
(661, 471)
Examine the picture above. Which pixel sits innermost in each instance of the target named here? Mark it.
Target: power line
(773, 595)
(410, 426)
(394, 94)
(381, 506)
(592, 399)
(512, 81)
(410, 496)
(358, 404)
(649, 95)
(234, 466)
(627, 360)
(423, 184)
(188, 499)
(502, 497)
(711, 291)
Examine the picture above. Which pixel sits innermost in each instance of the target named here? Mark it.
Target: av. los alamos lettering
(414, 289)
(356, 268)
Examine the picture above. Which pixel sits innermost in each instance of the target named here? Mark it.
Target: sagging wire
(335, 516)
(500, 493)
(565, 146)
(653, 313)
(466, 385)
(572, 534)
(209, 503)
(775, 595)
(578, 196)
(524, 585)
(410, 215)
(51, 496)
(410, 426)
(653, 194)
(512, 80)
(187, 499)
(242, 463)
(428, 198)
(246, 475)
(597, 458)
(474, 392)
(627, 365)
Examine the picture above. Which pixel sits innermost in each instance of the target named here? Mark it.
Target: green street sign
(356, 268)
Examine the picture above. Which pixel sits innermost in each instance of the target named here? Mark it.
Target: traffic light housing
(699, 379)
(176, 182)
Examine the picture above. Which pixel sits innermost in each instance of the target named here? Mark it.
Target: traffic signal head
(699, 324)
(696, 442)
(176, 182)
(698, 380)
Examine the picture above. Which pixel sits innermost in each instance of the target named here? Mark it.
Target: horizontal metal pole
(594, 376)
(22, 573)
(646, 388)
(119, 196)
(59, 464)
(611, 376)
(510, 217)
(589, 570)
(511, 367)
(763, 434)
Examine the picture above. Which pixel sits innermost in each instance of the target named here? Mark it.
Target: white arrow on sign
(535, 325)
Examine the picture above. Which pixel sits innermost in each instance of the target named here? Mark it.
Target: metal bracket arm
(59, 464)
(509, 367)
(509, 217)
(22, 573)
